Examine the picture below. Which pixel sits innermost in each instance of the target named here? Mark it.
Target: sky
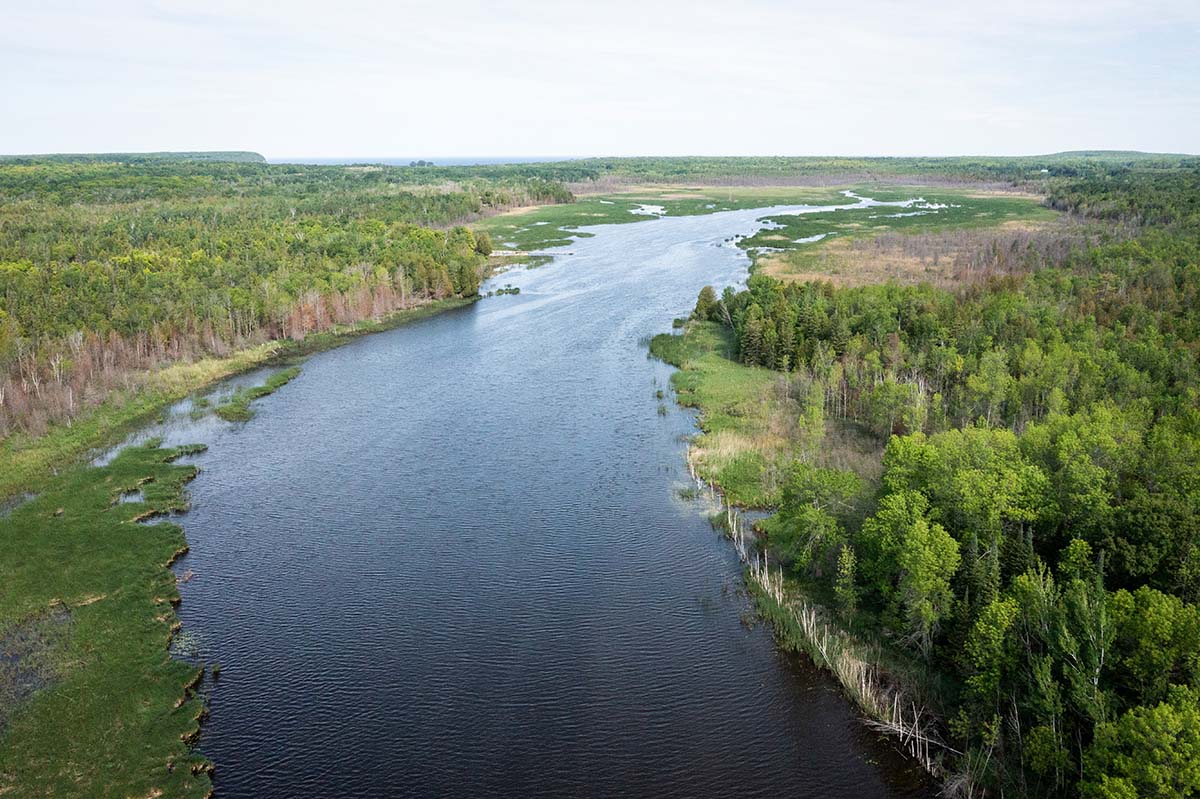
(604, 78)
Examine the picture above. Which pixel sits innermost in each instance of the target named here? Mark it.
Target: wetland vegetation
(93, 703)
(237, 407)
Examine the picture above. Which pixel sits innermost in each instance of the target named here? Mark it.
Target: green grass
(115, 714)
(237, 408)
(743, 447)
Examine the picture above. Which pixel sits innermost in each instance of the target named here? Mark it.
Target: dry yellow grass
(518, 211)
(939, 258)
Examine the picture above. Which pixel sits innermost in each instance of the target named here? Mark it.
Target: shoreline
(805, 626)
(92, 618)
(30, 462)
(890, 702)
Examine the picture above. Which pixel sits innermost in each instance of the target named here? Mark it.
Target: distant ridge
(235, 156)
(1114, 154)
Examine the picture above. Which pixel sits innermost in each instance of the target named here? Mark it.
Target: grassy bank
(26, 462)
(91, 703)
(746, 416)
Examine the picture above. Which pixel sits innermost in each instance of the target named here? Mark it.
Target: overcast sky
(607, 77)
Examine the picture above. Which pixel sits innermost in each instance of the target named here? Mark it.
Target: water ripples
(451, 560)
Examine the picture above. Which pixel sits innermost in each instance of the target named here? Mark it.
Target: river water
(453, 560)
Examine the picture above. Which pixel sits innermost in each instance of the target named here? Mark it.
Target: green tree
(845, 587)
(706, 304)
(928, 558)
(991, 384)
(991, 652)
(751, 342)
(1147, 753)
(483, 242)
(881, 537)
(1157, 643)
(816, 503)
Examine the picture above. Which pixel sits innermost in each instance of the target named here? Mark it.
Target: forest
(1027, 532)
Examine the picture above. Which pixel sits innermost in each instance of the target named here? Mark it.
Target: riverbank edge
(887, 699)
(28, 462)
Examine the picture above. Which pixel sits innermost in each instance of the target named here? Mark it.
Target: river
(453, 559)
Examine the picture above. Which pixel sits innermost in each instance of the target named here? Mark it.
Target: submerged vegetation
(541, 227)
(927, 235)
(1023, 533)
(237, 407)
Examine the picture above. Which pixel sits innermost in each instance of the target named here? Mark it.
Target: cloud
(510, 77)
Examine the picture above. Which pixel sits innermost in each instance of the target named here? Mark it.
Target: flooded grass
(828, 245)
(93, 703)
(29, 658)
(237, 407)
(543, 227)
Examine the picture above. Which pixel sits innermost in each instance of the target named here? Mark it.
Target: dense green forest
(1032, 535)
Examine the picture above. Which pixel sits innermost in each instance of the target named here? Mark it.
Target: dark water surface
(450, 560)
